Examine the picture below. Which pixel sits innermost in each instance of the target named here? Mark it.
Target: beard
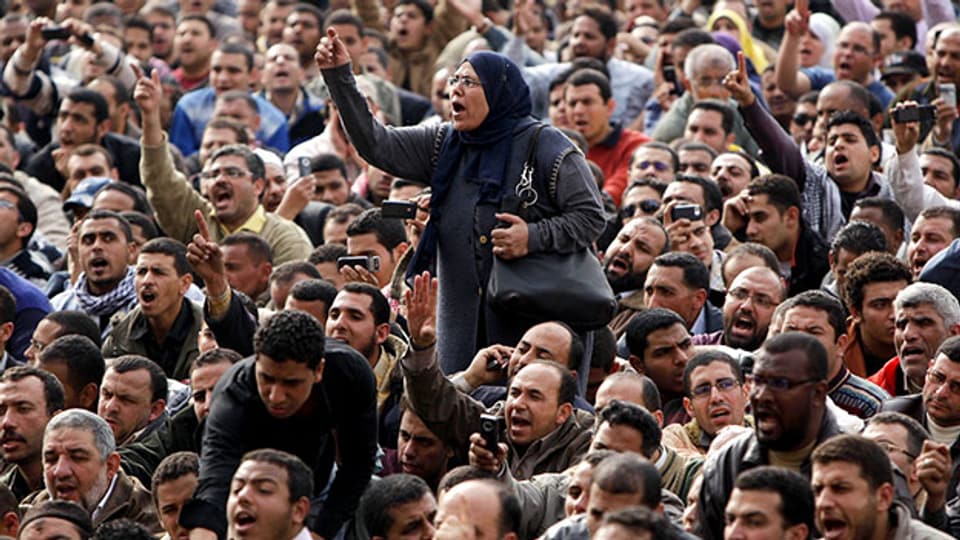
(626, 282)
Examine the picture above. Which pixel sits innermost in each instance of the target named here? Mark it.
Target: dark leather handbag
(547, 286)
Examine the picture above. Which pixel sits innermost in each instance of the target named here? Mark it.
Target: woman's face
(811, 49)
(726, 26)
(468, 102)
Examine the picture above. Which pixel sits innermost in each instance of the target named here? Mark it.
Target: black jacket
(126, 158)
(344, 401)
(179, 433)
(810, 262)
(722, 468)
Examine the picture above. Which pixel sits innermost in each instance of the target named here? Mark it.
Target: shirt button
(483, 239)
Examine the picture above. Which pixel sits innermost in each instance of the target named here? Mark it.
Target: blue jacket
(32, 306)
(195, 110)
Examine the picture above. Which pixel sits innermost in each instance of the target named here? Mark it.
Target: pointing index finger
(741, 65)
(802, 7)
(202, 225)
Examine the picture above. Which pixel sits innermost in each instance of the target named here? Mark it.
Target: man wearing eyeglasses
(751, 299)
(232, 181)
(911, 449)
(937, 408)
(654, 160)
(18, 221)
(715, 398)
(788, 392)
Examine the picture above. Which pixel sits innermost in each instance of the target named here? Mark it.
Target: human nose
(61, 467)
(580, 504)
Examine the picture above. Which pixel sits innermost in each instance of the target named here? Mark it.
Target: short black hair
(26, 209)
(621, 413)
(695, 273)
(425, 7)
(950, 348)
(385, 494)
(327, 253)
(121, 529)
(948, 155)
(82, 357)
(258, 250)
(690, 38)
(299, 475)
(720, 107)
(604, 19)
(252, 160)
(136, 193)
(341, 17)
(168, 246)
(944, 212)
(233, 47)
(637, 520)
(872, 459)
(826, 302)
(663, 147)
(285, 272)
(75, 322)
(708, 357)
(461, 474)
(175, 466)
(311, 290)
(840, 118)
(584, 77)
(390, 233)
(216, 356)
(629, 473)
(712, 196)
(781, 191)
(101, 111)
(858, 237)
(201, 19)
(903, 25)
(870, 268)
(889, 209)
(796, 497)
(813, 351)
(644, 323)
(327, 161)
(147, 226)
(379, 306)
(52, 389)
(110, 214)
(135, 362)
(916, 433)
(754, 249)
(291, 336)
(8, 306)
(567, 391)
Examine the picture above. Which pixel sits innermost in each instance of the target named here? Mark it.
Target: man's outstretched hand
(422, 311)
(331, 52)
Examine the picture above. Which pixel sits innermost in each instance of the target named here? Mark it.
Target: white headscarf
(826, 28)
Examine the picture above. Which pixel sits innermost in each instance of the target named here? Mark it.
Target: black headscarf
(508, 99)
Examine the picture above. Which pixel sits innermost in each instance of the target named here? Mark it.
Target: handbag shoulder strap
(532, 151)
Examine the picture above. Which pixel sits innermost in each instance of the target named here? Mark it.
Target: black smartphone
(670, 75)
(490, 430)
(86, 39)
(920, 113)
(55, 32)
(371, 263)
(398, 209)
(693, 212)
(305, 167)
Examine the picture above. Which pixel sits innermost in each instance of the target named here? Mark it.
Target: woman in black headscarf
(473, 165)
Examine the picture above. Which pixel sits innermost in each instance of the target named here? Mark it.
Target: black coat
(126, 158)
(344, 401)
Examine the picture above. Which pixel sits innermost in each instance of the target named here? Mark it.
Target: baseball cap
(82, 195)
(905, 63)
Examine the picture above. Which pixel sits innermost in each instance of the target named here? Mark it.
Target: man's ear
(636, 363)
(381, 333)
(156, 409)
(398, 251)
(955, 330)
(318, 372)
(688, 406)
(11, 523)
(113, 465)
(700, 298)
(563, 412)
(712, 218)
(611, 105)
(799, 531)
(24, 229)
(6, 331)
(874, 154)
(830, 261)
(88, 396)
(792, 216)
(300, 510)
(185, 281)
(102, 129)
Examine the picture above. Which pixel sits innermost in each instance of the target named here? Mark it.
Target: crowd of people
(247, 250)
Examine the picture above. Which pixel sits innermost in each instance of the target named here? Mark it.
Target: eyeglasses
(467, 82)
(723, 385)
(229, 172)
(647, 206)
(760, 300)
(802, 119)
(890, 447)
(659, 166)
(940, 379)
(7, 205)
(37, 346)
(777, 384)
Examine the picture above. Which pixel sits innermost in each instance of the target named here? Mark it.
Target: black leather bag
(546, 286)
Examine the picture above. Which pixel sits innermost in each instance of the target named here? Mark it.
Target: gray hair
(87, 421)
(707, 56)
(917, 294)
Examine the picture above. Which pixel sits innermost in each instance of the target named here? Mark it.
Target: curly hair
(291, 335)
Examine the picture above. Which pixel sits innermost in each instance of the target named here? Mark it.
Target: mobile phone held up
(370, 262)
(398, 209)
